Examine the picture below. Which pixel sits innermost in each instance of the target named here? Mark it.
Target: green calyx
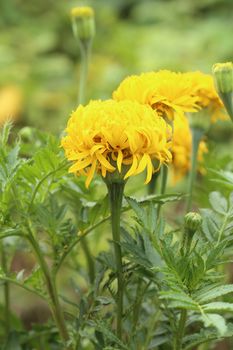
(192, 222)
(223, 76)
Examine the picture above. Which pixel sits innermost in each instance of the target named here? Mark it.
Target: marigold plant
(109, 136)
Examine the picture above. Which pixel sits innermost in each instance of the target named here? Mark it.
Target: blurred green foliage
(39, 53)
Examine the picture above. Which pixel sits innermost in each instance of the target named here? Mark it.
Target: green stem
(52, 290)
(196, 138)
(85, 56)
(180, 331)
(116, 191)
(164, 176)
(6, 287)
(89, 258)
(152, 184)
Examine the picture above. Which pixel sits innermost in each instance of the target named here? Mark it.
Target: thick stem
(52, 291)
(6, 287)
(164, 176)
(180, 331)
(196, 138)
(85, 56)
(116, 191)
(152, 184)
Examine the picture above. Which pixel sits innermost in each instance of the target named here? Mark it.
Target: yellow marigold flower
(167, 92)
(204, 89)
(119, 138)
(182, 147)
(10, 103)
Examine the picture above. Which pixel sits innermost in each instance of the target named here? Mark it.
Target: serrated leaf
(218, 306)
(214, 293)
(215, 320)
(218, 202)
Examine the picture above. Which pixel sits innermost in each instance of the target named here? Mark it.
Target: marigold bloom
(167, 92)
(204, 89)
(182, 147)
(123, 138)
(10, 103)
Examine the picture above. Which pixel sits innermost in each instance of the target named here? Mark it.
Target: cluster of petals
(204, 89)
(172, 94)
(108, 136)
(181, 149)
(169, 93)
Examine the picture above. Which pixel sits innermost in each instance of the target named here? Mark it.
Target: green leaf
(218, 306)
(215, 320)
(218, 202)
(103, 328)
(214, 293)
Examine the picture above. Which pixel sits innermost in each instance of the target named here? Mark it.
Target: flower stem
(180, 332)
(164, 176)
(89, 258)
(116, 191)
(152, 184)
(6, 287)
(196, 138)
(85, 47)
(52, 291)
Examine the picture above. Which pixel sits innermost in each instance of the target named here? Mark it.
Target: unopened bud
(26, 134)
(192, 222)
(83, 22)
(223, 76)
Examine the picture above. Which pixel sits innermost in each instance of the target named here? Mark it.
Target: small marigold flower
(167, 92)
(182, 148)
(118, 139)
(10, 103)
(208, 99)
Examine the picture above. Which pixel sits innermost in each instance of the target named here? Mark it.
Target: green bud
(223, 76)
(83, 23)
(192, 222)
(26, 134)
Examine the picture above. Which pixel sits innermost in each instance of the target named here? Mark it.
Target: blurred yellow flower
(10, 103)
(167, 92)
(182, 147)
(123, 138)
(204, 89)
(82, 11)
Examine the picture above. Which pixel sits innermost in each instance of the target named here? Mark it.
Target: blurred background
(39, 57)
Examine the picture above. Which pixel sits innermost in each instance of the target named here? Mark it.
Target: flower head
(119, 138)
(167, 92)
(182, 148)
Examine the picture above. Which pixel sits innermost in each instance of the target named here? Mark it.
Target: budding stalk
(83, 24)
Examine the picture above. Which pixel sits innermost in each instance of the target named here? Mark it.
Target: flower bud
(223, 75)
(83, 23)
(192, 222)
